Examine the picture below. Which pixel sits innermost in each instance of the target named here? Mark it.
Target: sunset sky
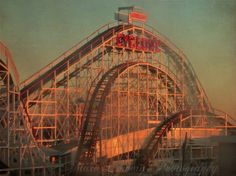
(36, 32)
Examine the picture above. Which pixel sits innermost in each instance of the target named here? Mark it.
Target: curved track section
(7, 63)
(150, 147)
(18, 150)
(7, 84)
(90, 132)
(91, 126)
(182, 62)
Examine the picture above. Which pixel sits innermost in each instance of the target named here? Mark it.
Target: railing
(65, 54)
(4, 51)
(226, 116)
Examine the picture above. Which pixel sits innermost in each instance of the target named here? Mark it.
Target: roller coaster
(123, 101)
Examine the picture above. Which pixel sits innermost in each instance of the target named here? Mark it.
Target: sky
(37, 32)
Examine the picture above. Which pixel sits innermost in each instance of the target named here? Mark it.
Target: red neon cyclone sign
(138, 43)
